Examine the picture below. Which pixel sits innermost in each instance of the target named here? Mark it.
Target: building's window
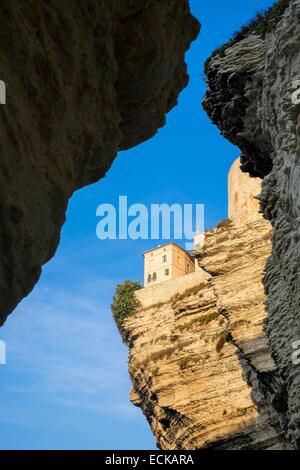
(149, 278)
(188, 267)
(164, 258)
(154, 277)
(167, 272)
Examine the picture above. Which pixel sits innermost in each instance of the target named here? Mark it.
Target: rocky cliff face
(250, 98)
(199, 363)
(84, 80)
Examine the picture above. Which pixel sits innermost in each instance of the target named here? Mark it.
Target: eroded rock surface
(250, 98)
(200, 365)
(84, 80)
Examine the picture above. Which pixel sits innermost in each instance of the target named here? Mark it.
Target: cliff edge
(252, 98)
(199, 361)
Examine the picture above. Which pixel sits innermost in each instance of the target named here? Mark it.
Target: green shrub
(125, 302)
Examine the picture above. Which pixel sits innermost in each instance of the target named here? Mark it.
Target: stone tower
(242, 205)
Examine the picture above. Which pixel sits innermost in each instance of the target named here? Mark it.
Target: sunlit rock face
(199, 361)
(252, 99)
(83, 80)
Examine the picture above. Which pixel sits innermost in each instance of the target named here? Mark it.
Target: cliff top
(263, 23)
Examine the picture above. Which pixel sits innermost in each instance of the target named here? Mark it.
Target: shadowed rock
(83, 80)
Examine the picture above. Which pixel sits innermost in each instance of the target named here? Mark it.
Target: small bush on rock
(125, 303)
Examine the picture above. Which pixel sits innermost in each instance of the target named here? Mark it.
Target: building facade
(166, 262)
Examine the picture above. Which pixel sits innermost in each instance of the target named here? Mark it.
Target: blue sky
(65, 384)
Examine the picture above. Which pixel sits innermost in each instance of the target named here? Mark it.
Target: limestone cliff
(84, 80)
(251, 98)
(199, 362)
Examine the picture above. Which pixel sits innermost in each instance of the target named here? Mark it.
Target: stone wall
(243, 206)
(161, 293)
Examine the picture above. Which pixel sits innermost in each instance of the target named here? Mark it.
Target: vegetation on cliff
(125, 303)
(263, 23)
